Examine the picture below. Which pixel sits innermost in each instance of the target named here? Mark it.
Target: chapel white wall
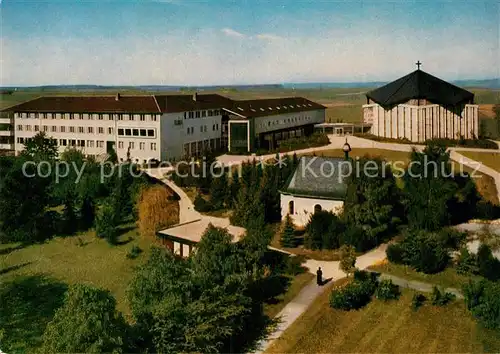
(304, 207)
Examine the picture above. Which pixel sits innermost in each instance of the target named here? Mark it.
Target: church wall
(420, 123)
(303, 208)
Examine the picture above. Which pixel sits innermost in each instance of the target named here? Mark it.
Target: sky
(220, 42)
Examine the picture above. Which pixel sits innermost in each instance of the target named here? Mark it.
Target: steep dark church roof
(420, 85)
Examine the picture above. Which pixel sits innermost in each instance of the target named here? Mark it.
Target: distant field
(490, 159)
(386, 327)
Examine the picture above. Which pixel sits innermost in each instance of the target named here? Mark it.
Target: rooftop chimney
(195, 96)
(117, 97)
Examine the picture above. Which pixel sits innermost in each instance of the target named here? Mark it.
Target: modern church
(420, 106)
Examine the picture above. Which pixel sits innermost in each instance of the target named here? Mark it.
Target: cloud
(210, 57)
(232, 33)
(269, 37)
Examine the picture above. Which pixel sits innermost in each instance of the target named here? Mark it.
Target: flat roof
(192, 231)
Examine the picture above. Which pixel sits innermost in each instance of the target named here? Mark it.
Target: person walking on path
(319, 276)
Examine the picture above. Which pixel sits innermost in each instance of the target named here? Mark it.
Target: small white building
(419, 107)
(318, 183)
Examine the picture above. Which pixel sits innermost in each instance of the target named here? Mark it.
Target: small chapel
(418, 107)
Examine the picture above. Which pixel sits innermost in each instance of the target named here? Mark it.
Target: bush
(441, 299)
(430, 259)
(201, 205)
(466, 263)
(134, 252)
(293, 265)
(387, 290)
(352, 297)
(483, 300)
(395, 254)
(451, 238)
(473, 143)
(417, 301)
(320, 231)
(106, 225)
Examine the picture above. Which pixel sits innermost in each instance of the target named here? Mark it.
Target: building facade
(318, 183)
(419, 107)
(159, 127)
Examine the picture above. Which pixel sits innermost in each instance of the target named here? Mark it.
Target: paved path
(417, 285)
(310, 292)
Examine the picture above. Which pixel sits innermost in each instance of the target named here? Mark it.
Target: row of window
(285, 121)
(203, 129)
(202, 114)
(64, 129)
(284, 107)
(91, 116)
(91, 143)
(136, 132)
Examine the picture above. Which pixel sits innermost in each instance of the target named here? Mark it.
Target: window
(44, 115)
(90, 130)
(203, 113)
(290, 207)
(153, 146)
(153, 117)
(20, 127)
(210, 113)
(120, 144)
(188, 130)
(191, 114)
(62, 142)
(80, 130)
(197, 114)
(101, 130)
(95, 116)
(71, 129)
(201, 129)
(141, 146)
(217, 126)
(142, 132)
(151, 132)
(110, 130)
(143, 117)
(51, 116)
(70, 116)
(135, 132)
(112, 116)
(120, 117)
(131, 145)
(63, 129)
(100, 117)
(90, 143)
(45, 128)
(317, 208)
(213, 127)
(100, 143)
(78, 116)
(37, 128)
(81, 143)
(185, 115)
(120, 131)
(128, 132)
(106, 116)
(137, 117)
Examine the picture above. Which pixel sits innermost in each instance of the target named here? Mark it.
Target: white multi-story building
(160, 127)
(142, 127)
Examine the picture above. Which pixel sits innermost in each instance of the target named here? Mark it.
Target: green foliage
(86, 322)
(201, 205)
(347, 259)
(387, 290)
(106, 224)
(441, 299)
(488, 266)
(483, 300)
(87, 213)
(219, 192)
(354, 295)
(372, 202)
(426, 252)
(467, 262)
(23, 201)
(323, 230)
(434, 197)
(417, 301)
(40, 148)
(287, 238)
(134, 252)
(70, 221)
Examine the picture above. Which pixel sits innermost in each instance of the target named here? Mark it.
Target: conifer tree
(287, 233)
(87, 213)
(219, 191)
(69, 215)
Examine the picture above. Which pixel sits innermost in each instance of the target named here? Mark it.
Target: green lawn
(490, 159)
(388, 155)
(448, 278)
(386, 327)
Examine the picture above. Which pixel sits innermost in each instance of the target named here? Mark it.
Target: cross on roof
(418, 63)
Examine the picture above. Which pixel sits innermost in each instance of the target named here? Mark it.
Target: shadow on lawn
(28, 304)
(14, 267)
(8, 250)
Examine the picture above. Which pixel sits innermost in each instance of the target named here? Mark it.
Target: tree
(321, 227)
(219, 190)
(86, 322)
(70, 221)
(24, 197)
(347, 259)
(40, 148)
(106, 224)
(483, 301)
(488, 265)
(156, 210)
(87, 213)
(287, 238)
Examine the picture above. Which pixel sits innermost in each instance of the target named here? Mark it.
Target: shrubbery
(417, 301)
(356, 294)
(483, 264)
(483, 300)
(201, 205)
(439, 298)
(387, 290)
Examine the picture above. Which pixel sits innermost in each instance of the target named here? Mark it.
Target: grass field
(490, 159)
(388, 155)
(448, 278)
(386, 327)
